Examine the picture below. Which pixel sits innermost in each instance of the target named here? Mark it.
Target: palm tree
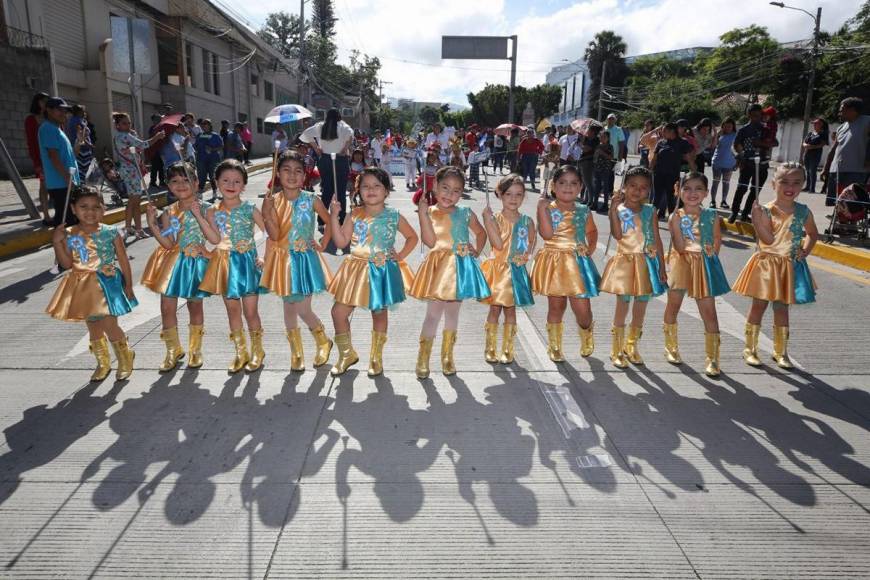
(607, 47)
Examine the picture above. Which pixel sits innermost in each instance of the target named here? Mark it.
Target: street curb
(35, 239)
(852, 257)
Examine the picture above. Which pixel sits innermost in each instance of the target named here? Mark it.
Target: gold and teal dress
(773, 272)
(563, 267)
(94, 286)
(292, 268)
(634, 269)
(506, 271)
(450, 271)
(369, 276)
(697, 270)
(232, 270)
(178, 271)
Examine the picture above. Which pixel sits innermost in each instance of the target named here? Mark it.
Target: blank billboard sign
(474, 47)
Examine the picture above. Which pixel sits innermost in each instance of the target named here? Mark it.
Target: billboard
(475, 47)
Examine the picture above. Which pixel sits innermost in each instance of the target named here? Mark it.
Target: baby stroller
(110, 180)
(850, 215)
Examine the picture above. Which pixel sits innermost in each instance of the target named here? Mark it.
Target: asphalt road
(532, 470)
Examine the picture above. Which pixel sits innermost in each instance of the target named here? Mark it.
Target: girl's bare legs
(250, 306)
(302, 309)
(620, 312)
(494, 313)
(707, 309)
(451, 315)
(582, 311)
(756, 311)
(434, 311)
(169, 311)
(341, 317)
(510, 315)
(195, 312)
(234, 313)
(780, 314)
(675, 301)
(95, 329)
(111, 329)
(556, 306)
(380, 320)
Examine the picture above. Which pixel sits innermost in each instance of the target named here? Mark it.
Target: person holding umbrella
(331, 139)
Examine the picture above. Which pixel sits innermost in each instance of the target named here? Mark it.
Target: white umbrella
(287, 114)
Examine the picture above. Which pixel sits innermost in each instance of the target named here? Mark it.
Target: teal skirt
(470, 283)
(653, 265)
(804, 289)
(522, 286)
(113, 290)
(306, 276)
(717, 283)
(187, 275)
(244, 275)
(590, 275)
(386, 287)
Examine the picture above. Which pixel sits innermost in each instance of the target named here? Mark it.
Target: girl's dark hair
(180, 169)
(450, 171)
(694, 175)
(34, 103)
(231, 165)
(289, 156)
(507, 181)
(727, 120)
(378, 173)
(80, 192)
(562, 170)
(329, 129)
(825, 134)
(357, 151)
(120, 116)
(638, 171)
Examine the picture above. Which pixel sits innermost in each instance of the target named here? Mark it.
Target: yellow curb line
(852, 257)
(42, 237)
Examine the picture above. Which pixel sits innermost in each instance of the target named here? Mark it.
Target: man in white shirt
(377, 145)
(439, 136)
(567, 147)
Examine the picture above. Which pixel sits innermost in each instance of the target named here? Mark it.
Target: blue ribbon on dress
(221, 219)
(626, 216)
(303, 206)
(77, 244)
(555, 217)
(361, 229)
(522, 239)
(686, 227)
(173, 229)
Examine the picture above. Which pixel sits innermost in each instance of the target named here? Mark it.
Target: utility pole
(601, 89)
(302, 76)
(513, 60)
(808, 106)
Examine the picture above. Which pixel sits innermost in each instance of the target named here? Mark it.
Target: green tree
(489, 106)
(606, 47)
(323, 20)
(282, 31)
(545, 100)
(429, 115)
(744, 61)
(842, 69)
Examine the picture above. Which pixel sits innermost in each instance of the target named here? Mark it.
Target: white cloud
(548, 32)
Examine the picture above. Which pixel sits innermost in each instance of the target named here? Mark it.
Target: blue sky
(406, 35)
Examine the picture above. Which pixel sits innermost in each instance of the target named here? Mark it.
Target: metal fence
(14, 37)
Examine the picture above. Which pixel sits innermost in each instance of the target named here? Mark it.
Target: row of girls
(374, 276)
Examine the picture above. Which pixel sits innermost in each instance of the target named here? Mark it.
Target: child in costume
(563, 269)
(177, 267)
(637, 269)
(94, 290)
(234, 269)
(513, 238)
(426, 179)
(450, 273)
(409, 156)
(777, 272)
(293, 267)
(696, 236)
(373, 276)
(357, 164)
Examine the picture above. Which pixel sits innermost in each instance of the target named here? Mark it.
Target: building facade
(574, 80)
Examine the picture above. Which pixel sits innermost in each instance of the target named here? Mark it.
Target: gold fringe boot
(258, 355)
(194, 349)
(376, 357)
(780, 347)
(554, 341)
(174, 352)
(672, 343)
(448, 339)
(750, 350)
(297, 357)
(423, 354)
(507, 344)
(632, 353)
(617, 356)
(242, 357)
(323, 348)
(125, 356)
(347, 356)
(712, 340)
(490, 352)
(587, 340)
(100, 349)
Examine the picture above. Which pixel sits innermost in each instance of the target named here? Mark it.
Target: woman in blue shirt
(724, 161)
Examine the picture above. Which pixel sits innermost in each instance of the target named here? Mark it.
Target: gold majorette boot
(672, 344)
(100, 349)
(617, 356)
(587, 340)
(125, 356)
(242, 357)
(448, 339)
(554, 341)
(323, 348)
(711, 346)
(258, 355)
(297, 357)
(174, 352)
(347, 356)
(194, 346)
(490, 352)
(507, 344)
(632, 353)
(423, 355)
(780, 347)
(376, 357)
(750, 350)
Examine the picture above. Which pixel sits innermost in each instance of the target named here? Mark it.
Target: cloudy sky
(406, 34)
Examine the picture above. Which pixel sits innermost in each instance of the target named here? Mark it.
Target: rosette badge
(686, 228)
(221, 218)
(556, 217)
(77, 245)
(361, 230)
(626, 218)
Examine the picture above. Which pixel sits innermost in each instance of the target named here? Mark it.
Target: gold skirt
(688, 273)
(767, 277)
(627, 275)
(78, 297)
(276, 270)
(436, 277)
(351, 284)
(556, 273)
(498, 276)
(158, 269)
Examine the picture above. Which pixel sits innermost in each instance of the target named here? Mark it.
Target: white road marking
(148, 309)
(9, 272)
